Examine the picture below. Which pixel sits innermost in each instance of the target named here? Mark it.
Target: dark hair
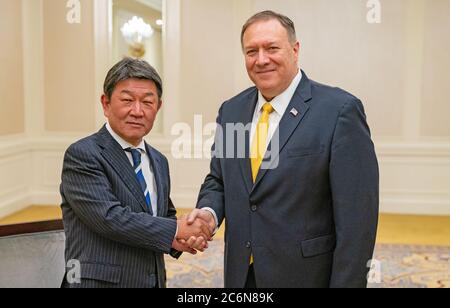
(131, 68)
(285, 21)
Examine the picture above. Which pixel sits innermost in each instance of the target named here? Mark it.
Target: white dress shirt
(147, 169)
(280, 104)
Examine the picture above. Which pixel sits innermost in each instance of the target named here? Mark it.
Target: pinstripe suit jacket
(108, 227)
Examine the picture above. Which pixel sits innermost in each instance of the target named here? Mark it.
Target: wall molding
(47, 198)
(12, 201)
(12, 146)
(13, 205)
(425, 193)
(420, 202)
(425, 149)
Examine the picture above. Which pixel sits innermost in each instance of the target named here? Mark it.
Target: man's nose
(136, 110)
(262, 59)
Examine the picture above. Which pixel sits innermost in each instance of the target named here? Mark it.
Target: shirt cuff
(215, 218)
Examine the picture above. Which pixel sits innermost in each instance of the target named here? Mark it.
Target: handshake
(194, 232)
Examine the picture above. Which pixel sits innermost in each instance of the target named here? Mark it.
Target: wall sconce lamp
(135, 32)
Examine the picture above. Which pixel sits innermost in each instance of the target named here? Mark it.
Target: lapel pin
(294, 112)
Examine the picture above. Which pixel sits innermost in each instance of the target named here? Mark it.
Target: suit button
(254, 208)
(248, 245)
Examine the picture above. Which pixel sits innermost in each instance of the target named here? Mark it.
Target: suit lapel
(156, 165)
(246, 118)
(116, 157)
(289, 122)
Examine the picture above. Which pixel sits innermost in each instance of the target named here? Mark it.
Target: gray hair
(130, 68)
(285, 21)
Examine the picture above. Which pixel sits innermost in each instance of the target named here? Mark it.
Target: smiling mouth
(135, 124)
(266, 72)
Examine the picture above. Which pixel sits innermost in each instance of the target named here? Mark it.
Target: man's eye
(251, 52)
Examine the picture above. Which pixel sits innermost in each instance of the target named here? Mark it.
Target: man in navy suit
(118, 217)
(301, 206)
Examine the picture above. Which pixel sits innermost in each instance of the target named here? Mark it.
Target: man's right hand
(197, 228)
(204, 215)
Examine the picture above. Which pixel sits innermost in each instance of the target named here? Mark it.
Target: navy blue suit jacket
(312, 220)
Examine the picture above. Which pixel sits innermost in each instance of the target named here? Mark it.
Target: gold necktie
(259, 145)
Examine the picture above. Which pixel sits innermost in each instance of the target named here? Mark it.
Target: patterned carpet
(402, 266)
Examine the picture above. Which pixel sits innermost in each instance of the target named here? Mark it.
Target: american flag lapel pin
(294, 112)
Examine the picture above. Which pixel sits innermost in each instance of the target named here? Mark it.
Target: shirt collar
(124, 144)
(281, 102)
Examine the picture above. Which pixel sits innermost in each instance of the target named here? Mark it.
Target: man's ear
(297, 48)
(160, 104)
(105, 104)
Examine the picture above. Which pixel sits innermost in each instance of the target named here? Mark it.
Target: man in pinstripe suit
(118, 217)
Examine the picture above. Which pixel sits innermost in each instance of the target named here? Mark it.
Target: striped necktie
(137, 163)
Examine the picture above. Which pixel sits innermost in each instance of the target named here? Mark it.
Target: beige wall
(435, 99)
(11, 73)
(69, 69)
(208, 54)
